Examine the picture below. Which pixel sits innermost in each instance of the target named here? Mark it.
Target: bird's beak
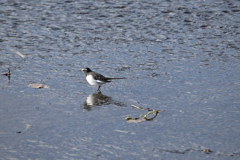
(82, 70)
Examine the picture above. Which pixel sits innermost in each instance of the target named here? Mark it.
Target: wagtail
(96, 79)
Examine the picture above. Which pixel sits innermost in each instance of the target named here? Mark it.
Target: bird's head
(86, 70)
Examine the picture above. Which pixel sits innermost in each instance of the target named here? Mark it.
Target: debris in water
(8, 73)
(145, 117)
(18, 53)
(38, 86)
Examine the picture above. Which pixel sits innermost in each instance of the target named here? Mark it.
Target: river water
(179, 57)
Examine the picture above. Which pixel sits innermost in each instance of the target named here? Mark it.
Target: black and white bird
(96, 79)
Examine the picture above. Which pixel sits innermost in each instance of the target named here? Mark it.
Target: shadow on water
(98, 99)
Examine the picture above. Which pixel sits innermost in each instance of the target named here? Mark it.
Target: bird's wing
(100, 77)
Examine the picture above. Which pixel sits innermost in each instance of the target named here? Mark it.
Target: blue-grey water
(179, 57)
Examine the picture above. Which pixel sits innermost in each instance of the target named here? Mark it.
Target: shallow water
(181, 58)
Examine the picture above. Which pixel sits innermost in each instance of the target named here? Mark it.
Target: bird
(96, 79)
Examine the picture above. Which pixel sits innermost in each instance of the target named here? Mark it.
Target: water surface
(182, 57)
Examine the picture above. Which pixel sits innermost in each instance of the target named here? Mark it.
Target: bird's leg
(98, 91)
(98, 88)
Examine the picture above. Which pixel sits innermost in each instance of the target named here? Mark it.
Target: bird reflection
(98, 99)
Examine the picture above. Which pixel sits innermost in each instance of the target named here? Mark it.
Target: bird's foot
(98, 92)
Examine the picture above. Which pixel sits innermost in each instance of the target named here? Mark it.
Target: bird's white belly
(94, 82)
(91, 80)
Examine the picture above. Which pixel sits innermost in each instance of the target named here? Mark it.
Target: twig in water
(20, 54)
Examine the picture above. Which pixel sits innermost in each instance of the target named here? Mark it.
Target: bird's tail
(116, 78)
